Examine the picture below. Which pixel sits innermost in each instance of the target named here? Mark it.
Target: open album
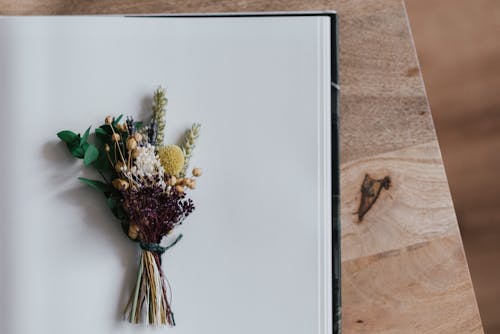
(169, 174)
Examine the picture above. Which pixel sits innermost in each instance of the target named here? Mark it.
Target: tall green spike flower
(159, 110)
(188, 146)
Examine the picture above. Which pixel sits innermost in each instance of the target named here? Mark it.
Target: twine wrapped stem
(150, 293)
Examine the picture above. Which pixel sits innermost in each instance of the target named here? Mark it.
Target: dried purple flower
(130, 125)
(155, 211)
(152, 132)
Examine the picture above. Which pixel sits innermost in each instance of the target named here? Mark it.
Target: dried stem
(150, 292)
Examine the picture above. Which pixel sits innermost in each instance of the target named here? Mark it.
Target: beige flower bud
(131, 144)
(197, 172)
(172, 181)
(179, 188)
(107, 148)
(191, 184)
(120, 184)
(133, 231)
(116, 137)
(108, 120)
(135, 153)
(118, 167)
(138, 137)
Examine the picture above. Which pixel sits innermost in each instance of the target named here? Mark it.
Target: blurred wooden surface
(404, 269)
(458, 43)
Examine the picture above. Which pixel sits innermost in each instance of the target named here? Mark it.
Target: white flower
(147, 169)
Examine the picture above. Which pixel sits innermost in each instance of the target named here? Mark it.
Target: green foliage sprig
(97, 157)
(79, 146)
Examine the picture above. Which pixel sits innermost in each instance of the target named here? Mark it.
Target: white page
(255, 257)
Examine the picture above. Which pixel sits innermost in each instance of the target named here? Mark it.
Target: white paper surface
(255, 253)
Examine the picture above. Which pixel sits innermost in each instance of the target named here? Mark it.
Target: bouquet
(144, 183)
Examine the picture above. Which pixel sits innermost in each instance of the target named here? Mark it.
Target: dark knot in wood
(370, 191)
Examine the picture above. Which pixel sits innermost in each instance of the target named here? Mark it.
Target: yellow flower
(171, 158)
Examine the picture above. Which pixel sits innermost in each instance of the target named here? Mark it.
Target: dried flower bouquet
(144, 183)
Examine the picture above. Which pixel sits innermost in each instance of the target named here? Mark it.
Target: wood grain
(458, 46)
(404, 268)
(416, 209)
(415, 289)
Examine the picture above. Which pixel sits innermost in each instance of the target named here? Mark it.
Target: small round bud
(120, 184)
(172, 181)
(133, 231)
(108, 120)
(118, 167)
(179, 188)
(138, 137)
(135, 153)
(191, 184)
(131, 144)
(197, 172)
(116, 137)
(107, 148)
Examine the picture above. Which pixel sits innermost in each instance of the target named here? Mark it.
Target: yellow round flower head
(171, 158)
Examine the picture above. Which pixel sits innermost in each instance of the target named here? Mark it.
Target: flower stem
(136, 292)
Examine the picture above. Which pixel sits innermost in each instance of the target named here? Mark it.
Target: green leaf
(77, 151)
(102, 164)
(138, 125)
(91, 155)
(116, 207)
(111, 201)
(67, 136)
(98, 185)
(85, 136)
(106, 128)
(101, 131)
(120, 213)
(117, 120)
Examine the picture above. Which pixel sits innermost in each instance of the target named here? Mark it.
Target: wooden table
(404, 268)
